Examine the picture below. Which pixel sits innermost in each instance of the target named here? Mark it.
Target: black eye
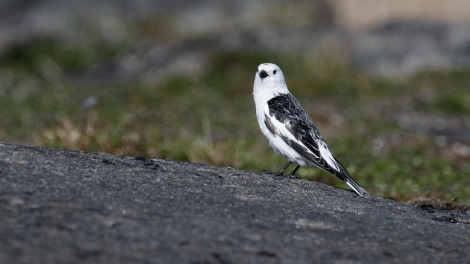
(274, 72)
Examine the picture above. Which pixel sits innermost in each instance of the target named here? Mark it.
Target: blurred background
(387, 83)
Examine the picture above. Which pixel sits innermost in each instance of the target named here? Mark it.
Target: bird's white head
(269, 81)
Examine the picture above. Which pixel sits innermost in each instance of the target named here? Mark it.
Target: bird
(289, 129)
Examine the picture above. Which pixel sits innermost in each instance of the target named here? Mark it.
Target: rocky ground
(60, 206)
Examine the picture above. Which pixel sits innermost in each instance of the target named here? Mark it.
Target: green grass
(40, 54)
(210, 117)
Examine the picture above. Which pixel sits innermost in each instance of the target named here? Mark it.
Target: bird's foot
(281, 174)
(275, 173)
(292, 176)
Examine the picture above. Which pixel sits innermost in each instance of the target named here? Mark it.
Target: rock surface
(60, 206)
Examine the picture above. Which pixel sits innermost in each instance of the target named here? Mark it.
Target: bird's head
(269, 78)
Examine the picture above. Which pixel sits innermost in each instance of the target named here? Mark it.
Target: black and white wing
(300, 133)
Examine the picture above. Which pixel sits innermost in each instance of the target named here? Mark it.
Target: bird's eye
(274, 72)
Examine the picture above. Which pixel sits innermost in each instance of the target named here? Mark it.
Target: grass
(209, 117)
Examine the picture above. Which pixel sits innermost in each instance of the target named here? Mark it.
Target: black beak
(262, 74)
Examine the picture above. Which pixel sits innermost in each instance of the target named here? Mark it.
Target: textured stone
(61, 206)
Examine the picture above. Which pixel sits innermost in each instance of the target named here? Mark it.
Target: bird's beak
(262, 74)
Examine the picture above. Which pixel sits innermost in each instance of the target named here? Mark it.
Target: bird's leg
(281, 172)
(294, 171)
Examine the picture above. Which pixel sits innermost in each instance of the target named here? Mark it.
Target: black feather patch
(286, 109)
(269, 125)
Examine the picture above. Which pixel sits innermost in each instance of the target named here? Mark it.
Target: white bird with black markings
(290, 130)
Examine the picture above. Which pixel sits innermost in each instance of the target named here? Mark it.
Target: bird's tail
(346, 177)
(342, 174)
(358, 189)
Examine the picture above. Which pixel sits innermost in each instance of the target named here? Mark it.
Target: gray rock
(60, 206)
(401, 48)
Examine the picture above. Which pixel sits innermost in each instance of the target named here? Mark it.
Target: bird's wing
(297, 129)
